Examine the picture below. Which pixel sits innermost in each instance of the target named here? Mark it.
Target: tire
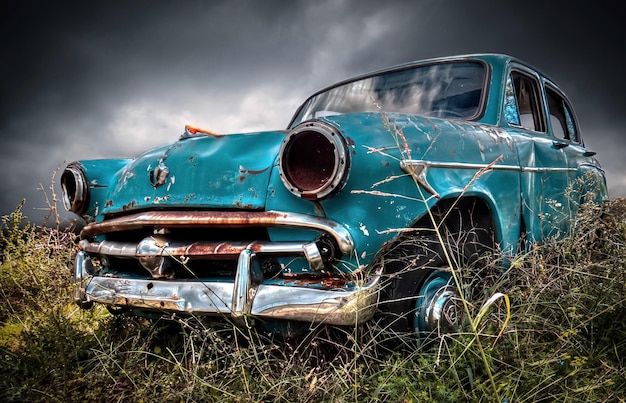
(419, 296)
(414, 275)
(84, 304)
(117, 310)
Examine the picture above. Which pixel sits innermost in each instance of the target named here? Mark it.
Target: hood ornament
(191, 131)
(158, 176)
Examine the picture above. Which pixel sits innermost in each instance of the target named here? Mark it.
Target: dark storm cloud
(107, 79)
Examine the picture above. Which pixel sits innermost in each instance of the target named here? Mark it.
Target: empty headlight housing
(74, 185)
(314, 160)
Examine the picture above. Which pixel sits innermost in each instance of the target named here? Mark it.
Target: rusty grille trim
(216, 219)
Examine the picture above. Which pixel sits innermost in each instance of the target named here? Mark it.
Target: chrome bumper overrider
(244, 297)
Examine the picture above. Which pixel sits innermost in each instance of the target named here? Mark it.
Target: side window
(511, 111)
(523, 102)
(561, 117)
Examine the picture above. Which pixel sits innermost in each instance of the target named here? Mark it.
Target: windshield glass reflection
(445, 90)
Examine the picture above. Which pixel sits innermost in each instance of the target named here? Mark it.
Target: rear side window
(523, 102)
(561, 116)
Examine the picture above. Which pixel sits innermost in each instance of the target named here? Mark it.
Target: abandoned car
(348, 213)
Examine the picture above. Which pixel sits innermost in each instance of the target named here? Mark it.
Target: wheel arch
(465, 225)
(475, 212)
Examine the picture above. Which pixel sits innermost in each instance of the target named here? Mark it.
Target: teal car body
(293, 224)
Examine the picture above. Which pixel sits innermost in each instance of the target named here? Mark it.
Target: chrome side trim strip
(405, 164)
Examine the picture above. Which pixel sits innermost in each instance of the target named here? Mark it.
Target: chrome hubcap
(438, 309)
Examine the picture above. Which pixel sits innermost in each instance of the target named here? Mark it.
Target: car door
(545, 174)
(586, 177)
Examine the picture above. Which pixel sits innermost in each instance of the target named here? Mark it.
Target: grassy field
(551, 329)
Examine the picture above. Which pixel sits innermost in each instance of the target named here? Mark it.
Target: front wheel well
(468, 221)
(458, 214)
(456, 230)
(463, 221)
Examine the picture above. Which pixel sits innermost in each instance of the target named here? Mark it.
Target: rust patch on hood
(243, 172)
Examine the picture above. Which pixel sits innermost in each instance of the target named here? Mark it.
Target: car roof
(496, 61)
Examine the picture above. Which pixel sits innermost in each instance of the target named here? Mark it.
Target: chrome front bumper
(244, 297)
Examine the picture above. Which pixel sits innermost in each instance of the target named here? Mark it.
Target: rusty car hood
(230, 171)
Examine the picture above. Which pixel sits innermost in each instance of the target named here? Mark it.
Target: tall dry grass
(561, 339)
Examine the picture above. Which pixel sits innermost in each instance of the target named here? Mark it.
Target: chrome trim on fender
(418, 168)
(418, 171)
(588, 165)
(406, 164)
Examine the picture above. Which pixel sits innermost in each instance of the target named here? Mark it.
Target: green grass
(561, 339)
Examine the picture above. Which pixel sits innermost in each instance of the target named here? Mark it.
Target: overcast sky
(111, 79)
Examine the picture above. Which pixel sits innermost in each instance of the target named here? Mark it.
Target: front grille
(191, 234)
(189, 270)
(207, 245)
(178, 267)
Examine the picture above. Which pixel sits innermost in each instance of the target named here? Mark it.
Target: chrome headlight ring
(75, 188)
(314, 160)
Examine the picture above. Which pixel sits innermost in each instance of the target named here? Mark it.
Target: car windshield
(445, 90)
